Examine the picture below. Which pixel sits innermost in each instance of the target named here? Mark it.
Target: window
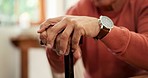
(56, 8)
(12, 10)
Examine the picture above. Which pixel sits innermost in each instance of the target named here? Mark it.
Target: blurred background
(21, 56)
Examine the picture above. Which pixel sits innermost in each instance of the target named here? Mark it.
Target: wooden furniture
(24, 43)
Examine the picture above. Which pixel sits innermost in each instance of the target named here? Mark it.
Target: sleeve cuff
(117, 40)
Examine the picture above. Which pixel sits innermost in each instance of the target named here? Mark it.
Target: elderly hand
(66, 28)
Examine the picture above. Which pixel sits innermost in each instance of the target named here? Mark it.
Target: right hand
(72, 27)
(55, 59)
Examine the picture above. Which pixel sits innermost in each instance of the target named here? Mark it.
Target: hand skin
(72, 27)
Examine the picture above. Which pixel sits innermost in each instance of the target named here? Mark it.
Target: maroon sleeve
(130, 46)
(71, 11)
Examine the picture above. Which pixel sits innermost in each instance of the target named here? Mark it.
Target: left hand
(72, 27)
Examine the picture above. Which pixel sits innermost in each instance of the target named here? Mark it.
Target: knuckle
(52, 30)
(45, 23)
(62, 48)
(74, 41)
(43, 33)
(78, 28)
(58, 38)
(66, 18)
(73, 21)
(41, 26)
(41, 37)
(64, 36)
(49, 40)
(70, 21)
(74, 47)
(49, 19)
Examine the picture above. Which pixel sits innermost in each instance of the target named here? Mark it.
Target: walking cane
(68, 61)
(69, 66)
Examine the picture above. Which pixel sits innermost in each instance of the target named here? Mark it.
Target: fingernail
(72, 50)
(61, 52)
(49, 46)
(66, 53)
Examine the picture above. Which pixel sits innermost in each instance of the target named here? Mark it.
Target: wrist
(105, 26)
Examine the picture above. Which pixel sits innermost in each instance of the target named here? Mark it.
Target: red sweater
(124, 51)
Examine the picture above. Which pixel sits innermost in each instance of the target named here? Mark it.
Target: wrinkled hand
(68, 30)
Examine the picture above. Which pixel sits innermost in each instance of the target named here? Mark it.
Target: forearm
(128, 46)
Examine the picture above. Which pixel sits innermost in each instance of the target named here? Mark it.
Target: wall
(9, 55)
(54, 8)
(57, 7)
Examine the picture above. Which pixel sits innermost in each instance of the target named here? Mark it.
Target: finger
(53, 31)
(76, 38)
(44, 27)
(64, 38)
(56, 49)
(68, 47)
(43, 37)
(47, 23)
(77, 53)
(57, 45)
